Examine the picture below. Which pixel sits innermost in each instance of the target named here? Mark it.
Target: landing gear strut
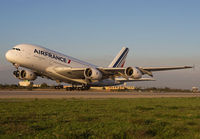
(16, 73)
(16, 66)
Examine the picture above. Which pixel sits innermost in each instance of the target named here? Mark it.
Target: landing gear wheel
(79, 88)
(16, 73)
(59, 87)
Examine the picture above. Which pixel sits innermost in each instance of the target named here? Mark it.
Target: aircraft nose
(8, 55)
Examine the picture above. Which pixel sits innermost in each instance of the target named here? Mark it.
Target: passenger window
(16, 49)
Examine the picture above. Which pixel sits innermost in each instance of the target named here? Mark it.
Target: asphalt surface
(93, 94)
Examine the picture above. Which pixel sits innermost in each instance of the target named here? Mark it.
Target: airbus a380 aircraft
(40, 61)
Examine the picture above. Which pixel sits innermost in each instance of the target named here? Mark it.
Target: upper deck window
(16, 49)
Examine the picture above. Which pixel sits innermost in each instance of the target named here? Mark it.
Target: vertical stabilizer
(120, 59)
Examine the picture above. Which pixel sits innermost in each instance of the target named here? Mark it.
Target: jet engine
(133, 73)
(25, 75)
(92, 73)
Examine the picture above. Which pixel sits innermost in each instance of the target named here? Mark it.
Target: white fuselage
(42, 60)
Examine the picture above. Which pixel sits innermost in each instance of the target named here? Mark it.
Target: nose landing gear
(16, 65)
(16, 73)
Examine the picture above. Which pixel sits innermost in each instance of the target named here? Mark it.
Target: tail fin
(120, 59)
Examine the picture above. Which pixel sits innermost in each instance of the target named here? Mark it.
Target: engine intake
(133, 73)
(92, 73)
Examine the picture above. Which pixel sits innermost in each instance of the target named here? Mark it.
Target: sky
(157, 32)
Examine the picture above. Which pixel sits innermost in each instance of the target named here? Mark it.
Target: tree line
(17, 86)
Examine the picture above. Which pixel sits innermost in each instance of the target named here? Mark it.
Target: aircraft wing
(165, 68)
(145, 70)
(149, 70)
(78, 73)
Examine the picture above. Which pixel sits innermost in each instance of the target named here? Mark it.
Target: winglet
(120, 59)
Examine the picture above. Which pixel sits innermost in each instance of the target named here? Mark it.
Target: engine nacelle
(25, 75)
(133, 73)
(92, 73)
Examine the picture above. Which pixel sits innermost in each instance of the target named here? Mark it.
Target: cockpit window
(16, 49)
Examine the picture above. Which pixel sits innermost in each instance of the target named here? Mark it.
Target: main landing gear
(79, 88)
(73, 87)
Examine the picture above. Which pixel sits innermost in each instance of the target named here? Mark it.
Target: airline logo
(120, 62)
(51, 55)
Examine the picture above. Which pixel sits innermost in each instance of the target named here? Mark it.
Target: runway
(91, 95)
